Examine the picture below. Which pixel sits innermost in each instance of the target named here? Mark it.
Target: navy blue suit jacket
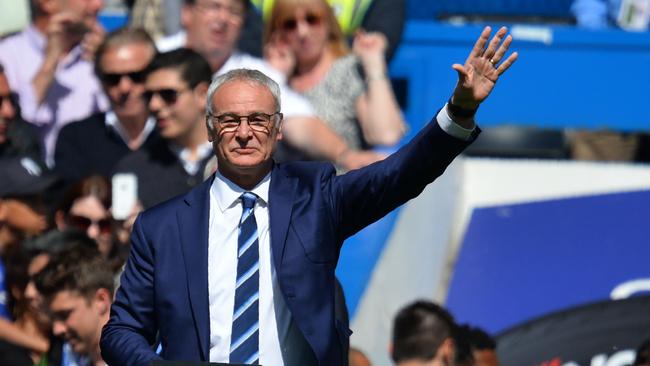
(164, 288)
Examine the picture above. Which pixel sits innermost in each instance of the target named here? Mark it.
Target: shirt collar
(227, 193)
(114, 123)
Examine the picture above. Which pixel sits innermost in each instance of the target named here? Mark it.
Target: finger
(502, 50)
(494, 43)
(479, 46)
(461, 70)
(507, 63)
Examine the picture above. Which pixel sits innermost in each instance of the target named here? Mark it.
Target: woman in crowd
(86, 207)
(303, 39)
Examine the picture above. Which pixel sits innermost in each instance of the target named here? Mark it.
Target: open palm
(479, 74)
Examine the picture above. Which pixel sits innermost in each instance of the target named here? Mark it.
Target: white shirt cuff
(452, 128)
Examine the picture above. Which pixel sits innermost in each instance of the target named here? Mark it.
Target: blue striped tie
(244, 340)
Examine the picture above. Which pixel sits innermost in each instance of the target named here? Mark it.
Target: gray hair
(253, 76)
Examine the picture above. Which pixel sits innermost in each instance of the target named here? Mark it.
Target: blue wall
(564, 77)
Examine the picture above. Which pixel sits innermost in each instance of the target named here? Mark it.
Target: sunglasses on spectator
(83, 223)
(168, 95)
(112, 79)
(311, 19)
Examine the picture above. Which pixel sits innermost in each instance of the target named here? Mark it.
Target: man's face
(486, 357)
(244, 148)
(7, 109)
(79, 320)
(213, 26)
(123, 74)
(178, 109)
(86, 10)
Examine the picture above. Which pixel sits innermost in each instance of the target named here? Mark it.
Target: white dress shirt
(280, 341)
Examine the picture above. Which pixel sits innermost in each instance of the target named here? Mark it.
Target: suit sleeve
(129, 334)
(363, 196)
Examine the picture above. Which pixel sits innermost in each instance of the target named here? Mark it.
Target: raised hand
(280, 56)
(91, 41)
(482, 69)
(369, 48)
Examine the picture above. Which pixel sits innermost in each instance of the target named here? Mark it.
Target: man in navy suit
(241, 269)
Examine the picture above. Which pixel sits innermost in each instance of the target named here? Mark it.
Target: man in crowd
(423, 335)
(95, 145)
(175, 92)
(77, 286)
(48, 65)
(22, 211)
(241, 269)
(483, 346)
(212, 28)
(17, 138)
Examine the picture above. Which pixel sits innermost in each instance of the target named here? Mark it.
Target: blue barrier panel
(565, 77)
(521, 261)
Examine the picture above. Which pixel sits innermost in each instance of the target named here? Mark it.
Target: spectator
(85, 207)
(423, 334)
(320, 67)
(176, 89)
(358, 358)
(17, 138)
(643, 354)
(22, 213)
(29, 340)
(94, 145)
(383, 16)
(48, 65)
(77, 286)
(483, 347)
(213, 28)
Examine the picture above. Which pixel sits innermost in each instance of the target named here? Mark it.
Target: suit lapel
(281, 198)
(193, 227)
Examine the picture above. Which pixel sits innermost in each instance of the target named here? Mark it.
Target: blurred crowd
(96, 126)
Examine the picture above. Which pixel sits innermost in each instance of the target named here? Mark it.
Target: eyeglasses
(311, 19)
(168, 95)
(112, 79)
(83, 223)
(258, 121)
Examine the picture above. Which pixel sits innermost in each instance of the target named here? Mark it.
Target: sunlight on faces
(176, 120)
(7, 110)
(79, 320)
(90, 207)
(244, 148)
(126, 95)
(213, 26)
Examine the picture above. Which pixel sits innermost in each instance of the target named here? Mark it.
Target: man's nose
(58, 328)
(244, 129)
(7, 110)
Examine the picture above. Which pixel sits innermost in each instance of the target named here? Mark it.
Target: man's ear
(186, 15)
(103, 299)
(447, 352)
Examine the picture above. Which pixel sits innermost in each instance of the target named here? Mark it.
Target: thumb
(461, 70)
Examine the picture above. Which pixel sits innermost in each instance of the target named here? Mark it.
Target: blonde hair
(284, 9)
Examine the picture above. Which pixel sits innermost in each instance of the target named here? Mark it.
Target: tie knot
(248, 200)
